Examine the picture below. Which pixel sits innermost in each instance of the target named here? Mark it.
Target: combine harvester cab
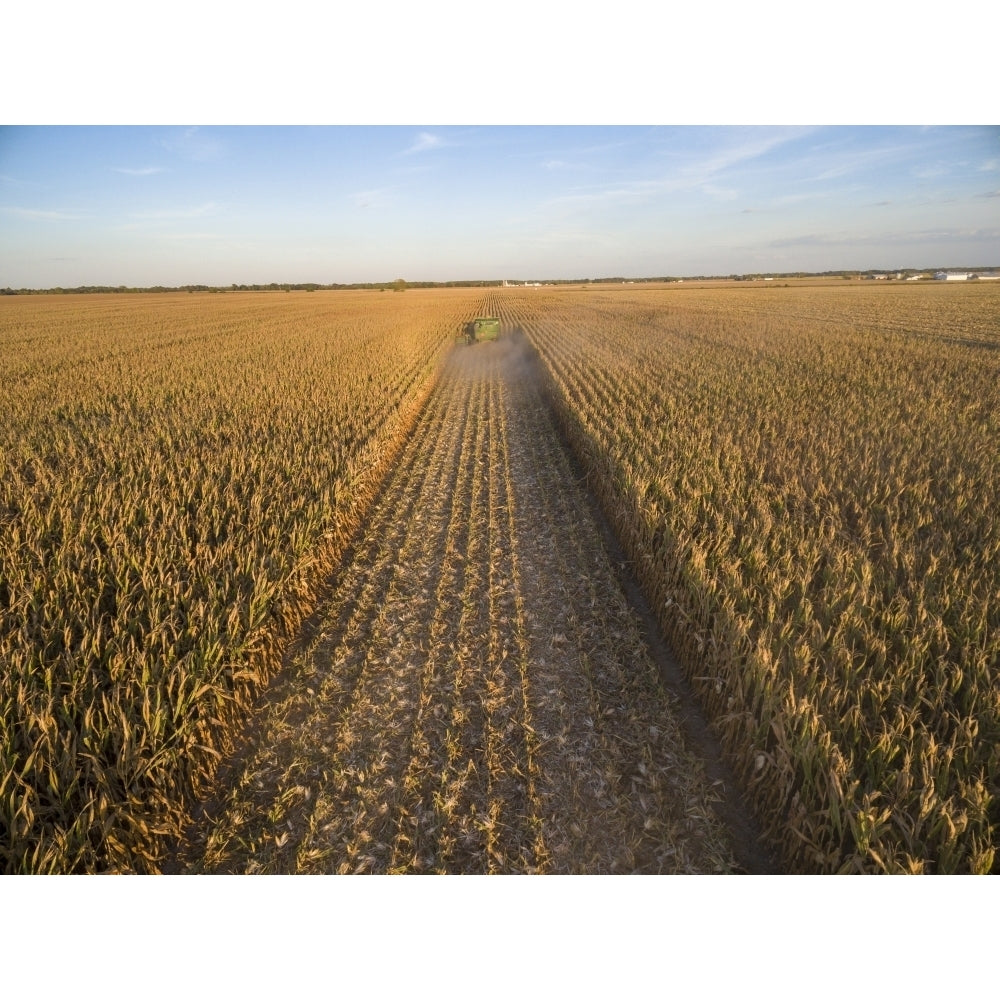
(481, 329)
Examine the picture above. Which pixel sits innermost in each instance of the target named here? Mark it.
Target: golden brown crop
(806, 479)
(176, 474)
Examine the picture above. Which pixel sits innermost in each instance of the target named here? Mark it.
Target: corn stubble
(476, 698)
(806, 480)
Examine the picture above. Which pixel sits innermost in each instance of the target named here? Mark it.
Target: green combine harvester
(481, 329)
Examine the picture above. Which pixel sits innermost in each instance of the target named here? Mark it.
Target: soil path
(477, 695)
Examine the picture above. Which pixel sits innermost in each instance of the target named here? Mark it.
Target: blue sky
(176, 205)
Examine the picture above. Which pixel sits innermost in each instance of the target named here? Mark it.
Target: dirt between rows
(480, 693)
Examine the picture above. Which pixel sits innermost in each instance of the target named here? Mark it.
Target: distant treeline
(399, 285)
(274, 286)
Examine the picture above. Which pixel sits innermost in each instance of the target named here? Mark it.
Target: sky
(444, 141)
(174, 205)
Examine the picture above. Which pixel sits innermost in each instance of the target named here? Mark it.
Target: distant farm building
(951, 276)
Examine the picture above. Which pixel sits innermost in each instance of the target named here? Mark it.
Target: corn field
(179, 472)
(806, 481)
(803, 479)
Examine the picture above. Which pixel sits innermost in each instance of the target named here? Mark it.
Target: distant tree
(399, 285)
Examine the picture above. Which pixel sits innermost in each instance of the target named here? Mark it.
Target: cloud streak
(190, 236)
(425, 141)
(709, 172)
(138, 171)
(43, 214)
(18, 181)
(194, 144)
(374, 198)
(749, 147)
(167, 214)
(898, 238)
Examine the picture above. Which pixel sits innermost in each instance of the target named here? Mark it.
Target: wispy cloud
(784, 200)
(194, 144)
(578, 157)
(563, 240)
(722, 194)
(373, 198)
(843, 157)
(43, 213)
(928, 173)
(949, 235)
(166, 214)
(425, 141)
(190, 236)
(709, 171)
(586, 197)
(138, 171)
(743, 148)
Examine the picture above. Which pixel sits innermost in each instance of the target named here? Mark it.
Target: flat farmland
(179, 473)
(292, 582)
(805, 479)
